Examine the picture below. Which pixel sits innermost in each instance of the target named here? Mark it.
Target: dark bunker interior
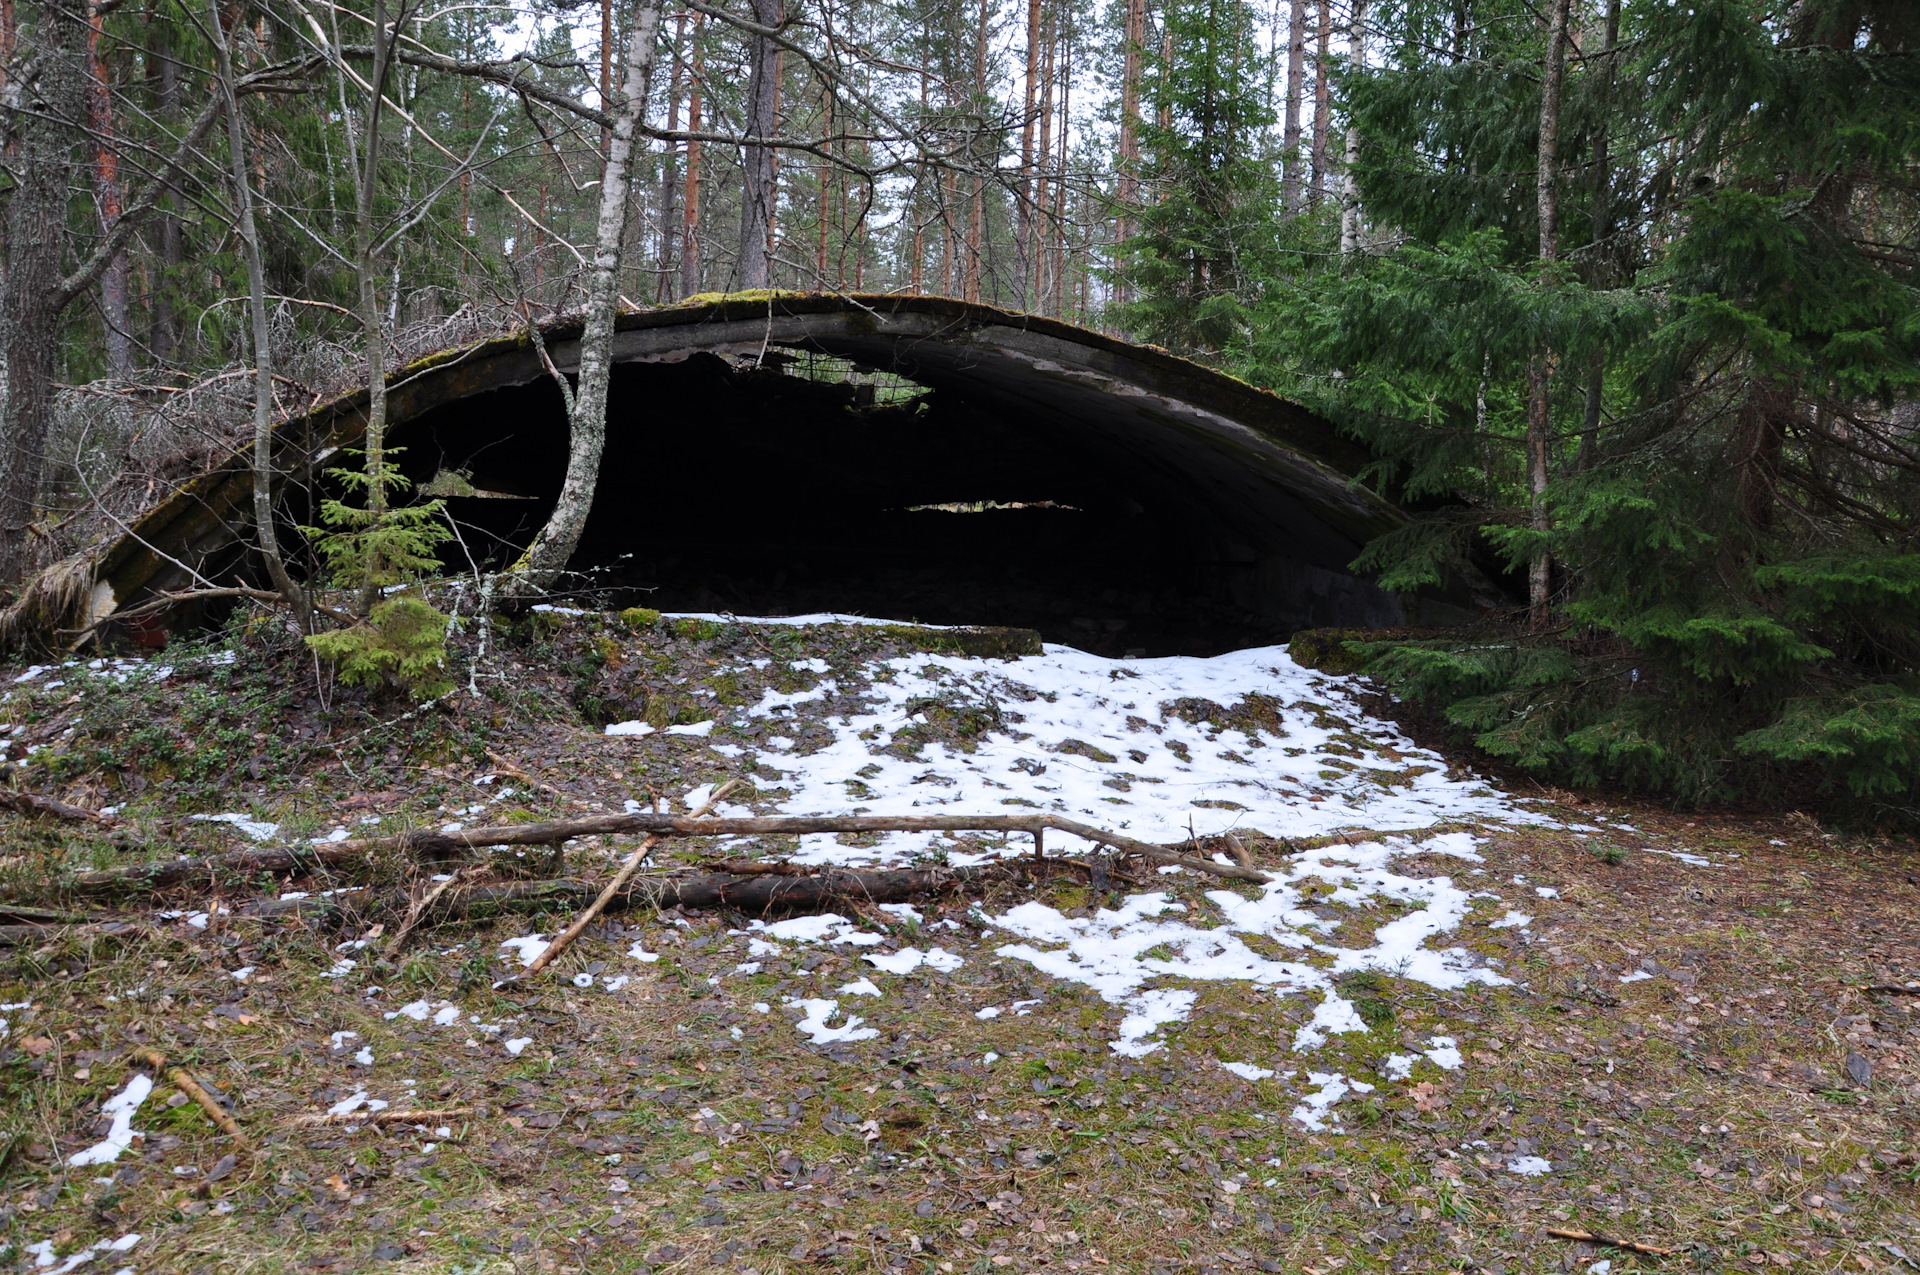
(793, 483)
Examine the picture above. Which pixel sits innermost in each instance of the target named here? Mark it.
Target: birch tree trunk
(547, 556)
(1350, 174)
(269, 541)
(763, 95)
(1539, 423)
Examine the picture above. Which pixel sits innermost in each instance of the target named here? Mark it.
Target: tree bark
(1026, 223)
(690, 206)
(756, 206)
(1322, 97)
(1291, 185)
(1539, 422)
(106, 181)
(1350, 174)
(269, 541)
(45, 132)
(547, 556)
(1602, 232)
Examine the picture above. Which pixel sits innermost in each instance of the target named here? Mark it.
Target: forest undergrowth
(1710, 1042)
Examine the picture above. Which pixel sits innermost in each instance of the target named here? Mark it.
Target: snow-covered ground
(1157, 748)
(1162, 749)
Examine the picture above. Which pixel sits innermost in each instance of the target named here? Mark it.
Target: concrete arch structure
(926, 406)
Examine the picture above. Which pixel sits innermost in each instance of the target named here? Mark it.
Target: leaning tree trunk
(1539, 423)
(547, 556)
(46, 130)
(763, 95)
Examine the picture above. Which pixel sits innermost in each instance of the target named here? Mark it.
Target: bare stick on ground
(428, 1116)
(632, 865)
(184, 1081)
(1588, 1237)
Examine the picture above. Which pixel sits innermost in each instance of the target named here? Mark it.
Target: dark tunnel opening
(808, 484)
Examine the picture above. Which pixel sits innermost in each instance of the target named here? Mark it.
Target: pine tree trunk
(1042, 232)
(547, 556)
(1291, 186)
(264, 530)
(43, 144)
(1539, 421)
(1322, 97)
(1023, 237)
(690, 208)
(106, 181)
(756, 204)
(1350, 168)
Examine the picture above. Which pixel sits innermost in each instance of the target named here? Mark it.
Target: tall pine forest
(1620, 293)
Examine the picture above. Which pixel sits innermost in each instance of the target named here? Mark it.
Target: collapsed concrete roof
(1273, 481)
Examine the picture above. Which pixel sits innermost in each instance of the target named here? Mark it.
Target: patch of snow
(1512, 920)
(989, 1059)
(908, 959)
(1247, 1071)
(616, 983)
(1398, 1066)
(1546, 891)
(514, 1046)
(640, 953)
(446, 1016)
(1691, 860)
(583, 979)
(1634, 976)
(630, 728)
(905, 911)
(257, 829)
(861, 987)
(528, 947)
(365, 1056)
(692, 728)
(1528, 1166)
(120, 1109)
(824, 927)
(1315, 1109)
(814, 1023)
(354, 1101)
(416, 1010)
(1445, 1053)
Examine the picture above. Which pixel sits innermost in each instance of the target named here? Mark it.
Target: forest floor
(1458, 1018)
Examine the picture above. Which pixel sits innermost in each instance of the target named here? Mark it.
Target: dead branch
(184, 1081)
(426, 844)
(620, 879)
(1892, 989)
(1588, 1237)
(429, 1116)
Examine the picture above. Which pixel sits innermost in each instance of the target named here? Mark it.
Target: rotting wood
(183, 1080)
(1892, 989)
(22, 935)
(429, 845)
(1588, 1237)
(565, 938)
(26, 803)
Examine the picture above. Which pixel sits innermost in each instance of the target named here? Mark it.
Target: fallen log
(161, 874)
(26, 803)
(754, 894)
(426, 844)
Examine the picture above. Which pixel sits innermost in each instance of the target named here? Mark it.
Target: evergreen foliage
(1733, 342)
(401, 643)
